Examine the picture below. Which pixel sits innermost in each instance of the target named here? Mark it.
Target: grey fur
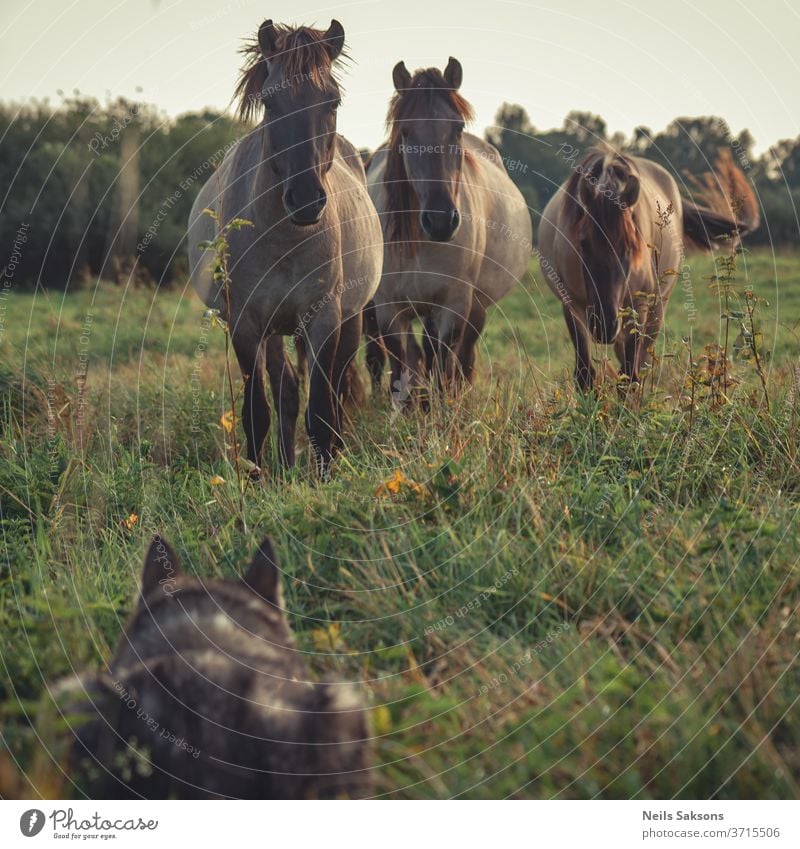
(207, 696)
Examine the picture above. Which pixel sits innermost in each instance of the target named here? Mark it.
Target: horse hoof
(323, 467)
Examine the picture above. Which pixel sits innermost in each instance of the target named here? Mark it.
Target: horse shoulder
(500, 221)
(661, 183)
(349, 153)
(483, 150)
(556, 241)
(498, 199)
(376, 168)
(553, 215)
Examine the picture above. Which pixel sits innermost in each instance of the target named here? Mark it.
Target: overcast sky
(633, 63)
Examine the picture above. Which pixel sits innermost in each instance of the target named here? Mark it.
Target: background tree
(108, 187)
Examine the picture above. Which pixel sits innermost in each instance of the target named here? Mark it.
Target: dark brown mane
(417, 101)
(597, 212)
(301, 51)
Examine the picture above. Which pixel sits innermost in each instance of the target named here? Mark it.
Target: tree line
(688, 148)
(94, 189)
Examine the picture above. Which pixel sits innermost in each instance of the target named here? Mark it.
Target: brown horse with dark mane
(457, 230)
(611, 241)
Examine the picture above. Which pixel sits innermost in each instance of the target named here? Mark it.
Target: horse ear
(400, 76)
(267, 39)
(585, 192)
(334, 39)
(160, 564)
(631, 193)
(264, 577)
(589, 179)
(453, 74)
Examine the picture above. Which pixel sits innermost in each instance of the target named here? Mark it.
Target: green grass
(568, 597)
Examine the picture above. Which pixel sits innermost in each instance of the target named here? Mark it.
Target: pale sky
(633, 63)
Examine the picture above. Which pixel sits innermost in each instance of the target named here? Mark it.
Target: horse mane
(427, 87)
(304, 55)
(603, 221)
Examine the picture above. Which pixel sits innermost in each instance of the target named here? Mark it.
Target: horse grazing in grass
(457, 230)
(611, 241)
(312, 258)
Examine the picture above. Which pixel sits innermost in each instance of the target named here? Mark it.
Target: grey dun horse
(457, 229)
(312, 258)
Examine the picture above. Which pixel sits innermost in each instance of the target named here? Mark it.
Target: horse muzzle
(440, 225)
(305, 211)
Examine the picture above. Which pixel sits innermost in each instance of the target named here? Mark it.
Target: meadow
(542, 594)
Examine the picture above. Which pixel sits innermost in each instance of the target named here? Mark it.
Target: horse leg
(393, 327)
(653, 328)
(449, 330)
(414, 355)
(343, 376)
(322, 341)
(428, 335)
(469, 339)
(652, 321)
(376, 353)
(285, 395)
(584, 370)
(631, 349)
(255, 410)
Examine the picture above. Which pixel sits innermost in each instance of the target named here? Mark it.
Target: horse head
(607, 185)
(427, 118)
(291, 74)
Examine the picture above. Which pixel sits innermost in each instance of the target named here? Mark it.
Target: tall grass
(542, 594)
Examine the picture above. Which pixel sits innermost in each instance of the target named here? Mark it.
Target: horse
(311, 259)
(610, 242)
(457, 230)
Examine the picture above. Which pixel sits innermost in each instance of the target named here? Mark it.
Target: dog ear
(454, 74)
(161, 565)
(267, 39)
(264, 577)
(334, 39)
(400, 76)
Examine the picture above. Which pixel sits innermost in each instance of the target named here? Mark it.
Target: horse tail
(727, 208)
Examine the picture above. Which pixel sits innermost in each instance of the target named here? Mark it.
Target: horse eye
(460, 129)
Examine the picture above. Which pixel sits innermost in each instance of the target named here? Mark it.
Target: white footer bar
(410, 825)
